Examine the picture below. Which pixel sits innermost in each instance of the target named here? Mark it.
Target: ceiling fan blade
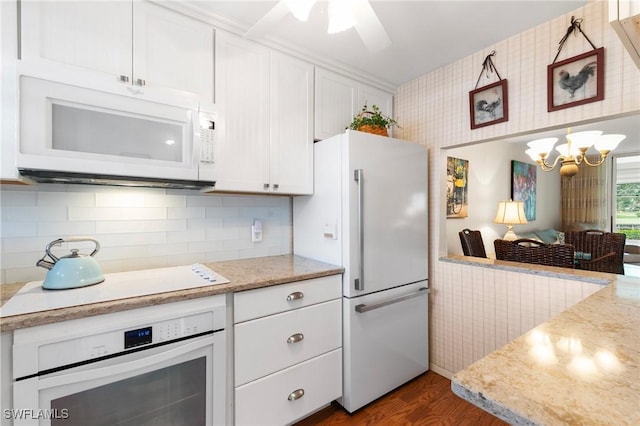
(265, 23)
(370, 29)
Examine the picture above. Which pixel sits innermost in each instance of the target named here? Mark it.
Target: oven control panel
(123, 339)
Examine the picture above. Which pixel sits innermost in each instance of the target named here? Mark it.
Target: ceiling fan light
(301, 8)
(584, 139)
(608, 142)
(341, 16)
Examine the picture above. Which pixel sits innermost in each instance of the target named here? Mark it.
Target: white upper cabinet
(138, 47)
(291, 135)
(265, 106)
(335, 102)
(338, 99)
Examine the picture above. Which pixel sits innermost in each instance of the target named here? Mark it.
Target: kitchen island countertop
(243, 274)
(581, 367)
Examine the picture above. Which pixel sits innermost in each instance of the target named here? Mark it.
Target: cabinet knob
(275, 186)
(295, 338)
(296, 295)
(296, 394)
(140, 82)
(266, 186)
(124, 78)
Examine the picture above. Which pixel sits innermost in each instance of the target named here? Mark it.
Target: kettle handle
(71, 240)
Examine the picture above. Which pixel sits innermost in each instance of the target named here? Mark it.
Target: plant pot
(376, 130)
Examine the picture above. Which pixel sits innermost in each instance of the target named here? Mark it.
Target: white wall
(138, 228)
(434, 111)
(489, 182)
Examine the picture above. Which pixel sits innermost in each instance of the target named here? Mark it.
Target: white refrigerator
(368, 213)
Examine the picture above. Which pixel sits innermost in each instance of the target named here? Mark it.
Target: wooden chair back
(533, 251)
(472, 244)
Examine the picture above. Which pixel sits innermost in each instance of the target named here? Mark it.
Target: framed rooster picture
(576, 81)
(489, 104)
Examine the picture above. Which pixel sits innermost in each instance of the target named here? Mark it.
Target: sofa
(547, 236)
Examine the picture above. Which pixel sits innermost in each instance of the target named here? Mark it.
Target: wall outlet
(256, 231)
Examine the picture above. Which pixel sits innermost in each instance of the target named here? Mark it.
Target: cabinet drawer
(272, 300)
(262, 346)
(266, 401)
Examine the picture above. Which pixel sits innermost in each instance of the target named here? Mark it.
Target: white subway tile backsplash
(186, 212)
(64, 199)
(117, 213)
(133, 239)
(20, 229)
(138, 228)
(61, 229)
(15, 198)
(11, 214)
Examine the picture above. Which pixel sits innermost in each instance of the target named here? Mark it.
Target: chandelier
(574, 152)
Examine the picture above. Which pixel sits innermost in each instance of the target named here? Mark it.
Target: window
(626, 217)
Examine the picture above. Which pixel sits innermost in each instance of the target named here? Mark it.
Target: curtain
(584, 198)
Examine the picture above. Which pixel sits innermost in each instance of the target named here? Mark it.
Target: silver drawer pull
(140, 82)
(296, 295)
(124, 79)
(296, 394)
(295, 338)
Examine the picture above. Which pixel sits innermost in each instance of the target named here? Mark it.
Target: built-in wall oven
(157, 365)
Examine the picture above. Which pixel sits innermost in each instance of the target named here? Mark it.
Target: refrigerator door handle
(358, 176)
(366, 308)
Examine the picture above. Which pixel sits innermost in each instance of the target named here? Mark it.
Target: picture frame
(576, 81)
(489, 104)
(523, 186)
(457, 181)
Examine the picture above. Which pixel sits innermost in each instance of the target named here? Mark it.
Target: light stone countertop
(243, 274)
(582, 367)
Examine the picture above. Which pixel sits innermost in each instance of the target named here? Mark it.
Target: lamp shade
(510, 213)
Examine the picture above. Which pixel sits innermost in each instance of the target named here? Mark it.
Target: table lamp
(510, 213)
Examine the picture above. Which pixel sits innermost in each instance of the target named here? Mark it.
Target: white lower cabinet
(287, 350)
(290, 394)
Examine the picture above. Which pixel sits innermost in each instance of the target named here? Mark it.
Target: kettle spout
(45, 264)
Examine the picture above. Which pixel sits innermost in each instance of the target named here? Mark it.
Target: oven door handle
(137, 365)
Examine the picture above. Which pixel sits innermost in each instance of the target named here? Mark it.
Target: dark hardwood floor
(426, 400)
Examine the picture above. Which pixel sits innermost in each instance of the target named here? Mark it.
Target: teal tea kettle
(73, 270)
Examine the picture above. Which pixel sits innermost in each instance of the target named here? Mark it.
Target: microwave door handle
(195, 130)
(125, 367)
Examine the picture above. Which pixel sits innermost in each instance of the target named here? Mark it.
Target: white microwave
(75, 134)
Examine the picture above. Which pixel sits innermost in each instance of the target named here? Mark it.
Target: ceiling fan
(343, 14)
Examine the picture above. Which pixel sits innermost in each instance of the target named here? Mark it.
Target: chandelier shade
(574, 152)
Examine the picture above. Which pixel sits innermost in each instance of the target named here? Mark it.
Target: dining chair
(526, 250)
(472, 244)
(598, 250)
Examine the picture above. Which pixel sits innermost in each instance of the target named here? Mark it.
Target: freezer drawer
(385, 342)
(266, 345)
(290, 394)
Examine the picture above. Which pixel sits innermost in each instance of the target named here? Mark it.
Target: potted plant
(372, 121)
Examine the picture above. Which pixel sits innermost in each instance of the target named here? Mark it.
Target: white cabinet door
(373, 96)
(335, 103)
(291, 133)
(265, 104)
(242, 95)
(61, 36)
(172, 51)
(136, 48)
